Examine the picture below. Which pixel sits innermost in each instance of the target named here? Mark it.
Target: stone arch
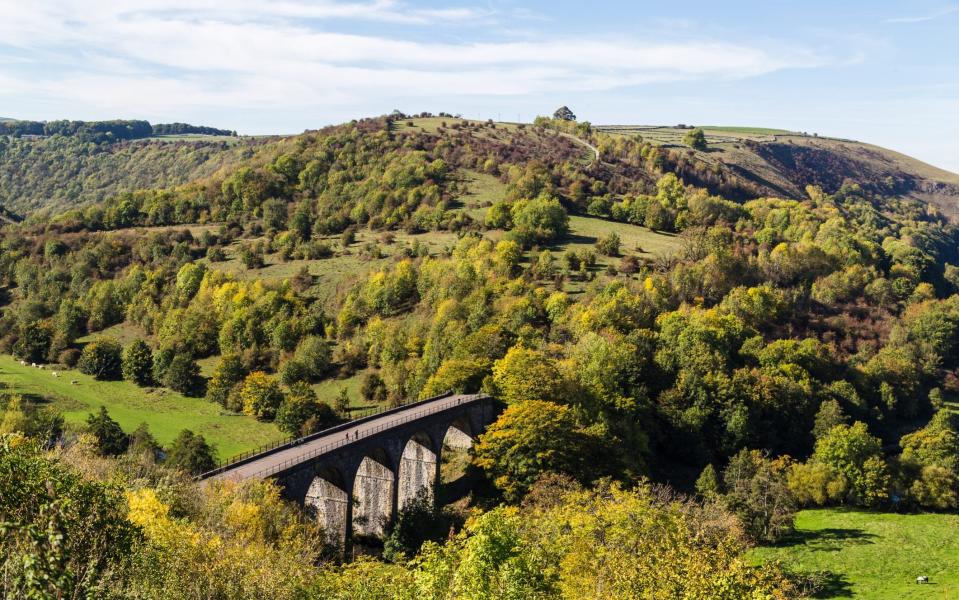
(373, 489)
(459, 434)
(418, 470)
(328, 501)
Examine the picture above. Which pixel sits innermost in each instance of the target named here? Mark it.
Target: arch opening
(459, 435)
(418, 470)
(327, 501)
(373, 495)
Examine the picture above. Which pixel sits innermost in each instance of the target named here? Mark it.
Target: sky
(876, 71)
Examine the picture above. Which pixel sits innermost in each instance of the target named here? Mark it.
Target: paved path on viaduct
(355, 477)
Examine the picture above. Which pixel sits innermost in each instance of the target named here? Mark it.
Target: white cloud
(164, 56)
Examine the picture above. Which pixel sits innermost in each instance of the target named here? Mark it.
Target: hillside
(775, 162)
(638, 314)
(60, 172)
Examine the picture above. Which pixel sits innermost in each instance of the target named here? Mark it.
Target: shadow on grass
(831, 539)
(826, 584)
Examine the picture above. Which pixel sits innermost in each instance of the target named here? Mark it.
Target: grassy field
(167, 413)
(874, 555)
(634, 239)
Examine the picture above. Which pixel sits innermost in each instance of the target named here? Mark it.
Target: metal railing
(273, 445)
(364, 433)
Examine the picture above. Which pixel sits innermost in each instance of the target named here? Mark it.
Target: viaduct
(355, 477)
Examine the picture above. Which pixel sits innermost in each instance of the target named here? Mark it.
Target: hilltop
(58, 172)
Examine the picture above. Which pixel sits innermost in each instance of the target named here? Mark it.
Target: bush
(608, 244)
(69, 357)
(102, 359)
(695, 138)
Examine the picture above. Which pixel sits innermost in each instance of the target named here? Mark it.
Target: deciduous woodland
(664, 408)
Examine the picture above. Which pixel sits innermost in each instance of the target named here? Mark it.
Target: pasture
(874, 556)
(165, 412)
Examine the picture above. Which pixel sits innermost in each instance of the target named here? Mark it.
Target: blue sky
(882, 72)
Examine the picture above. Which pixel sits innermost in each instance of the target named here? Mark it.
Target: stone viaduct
(355, 477)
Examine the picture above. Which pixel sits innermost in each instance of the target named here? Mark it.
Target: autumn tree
(531, 438)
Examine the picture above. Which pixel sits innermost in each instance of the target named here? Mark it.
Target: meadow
(874, 556)
(164, 411)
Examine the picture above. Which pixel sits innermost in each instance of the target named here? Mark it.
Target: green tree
(540, 220)
(137, 363)
(190, 453)
(563, 113)
(111, 441)
(314, 354)
(695, 138)
(226, 375)
(757, 492)
(301, 406)
(183, 375)
(532, 438)
(103, 359)
(856, 456)
(33, 344)
(707, 484)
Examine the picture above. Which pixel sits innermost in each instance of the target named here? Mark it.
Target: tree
(658, 217)
(563, 113)
(830, 414)
(707, 484)
(226, 375)
(299, 407)
(532, 438)
(540, 220)
(190, 453)
(757, 492)
(525, 374)
(103, 359)
(342, 403)
(34, 342)
(183, 375)
(314, 354)
(856, 456)
(372, 388)
(137, 363)
(696, 139)
(111, 441)
(260, 395)
(142, 442)
(417, 522)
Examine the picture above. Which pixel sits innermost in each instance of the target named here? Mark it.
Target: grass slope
(167, 413)
(874, 555)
